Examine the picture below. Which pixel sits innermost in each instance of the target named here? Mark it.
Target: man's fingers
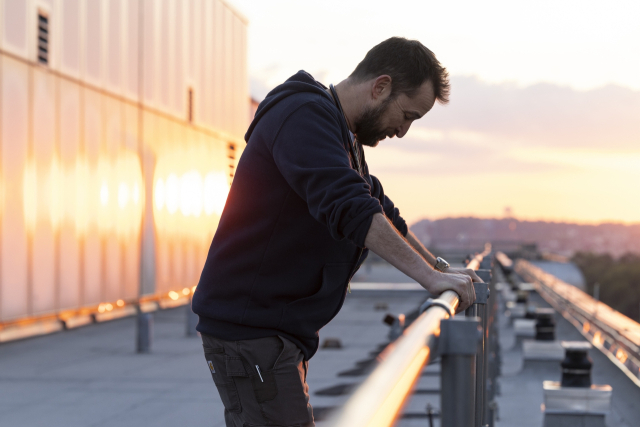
(466, 293)
(474, 276)
(470, 292)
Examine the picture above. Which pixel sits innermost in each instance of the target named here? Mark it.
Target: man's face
(392, 115)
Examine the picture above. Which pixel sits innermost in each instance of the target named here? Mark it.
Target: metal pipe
(144, 332)
(485, 364)
(458, 346)
(480, 379)
(378, 401)
(457, 391)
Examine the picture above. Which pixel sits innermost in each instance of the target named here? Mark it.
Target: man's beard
(368, 129)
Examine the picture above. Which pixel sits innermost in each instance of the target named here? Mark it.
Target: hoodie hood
(299, 82)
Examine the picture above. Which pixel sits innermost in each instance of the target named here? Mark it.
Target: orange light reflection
(388, 411)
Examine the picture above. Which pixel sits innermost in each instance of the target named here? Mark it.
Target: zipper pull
(349, 286)
(259, 374)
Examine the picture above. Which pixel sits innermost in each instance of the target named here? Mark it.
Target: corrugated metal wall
(103, 142)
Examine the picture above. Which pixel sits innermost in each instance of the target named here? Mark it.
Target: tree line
(619, 280)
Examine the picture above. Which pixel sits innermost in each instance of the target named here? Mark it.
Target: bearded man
(302, 213)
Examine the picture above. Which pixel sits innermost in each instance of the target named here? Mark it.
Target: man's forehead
(422, 101)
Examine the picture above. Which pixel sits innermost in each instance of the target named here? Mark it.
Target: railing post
(493, 355)
(147, 278)
(478, 309)
(144, 331)
(483, 365)
(458, 345)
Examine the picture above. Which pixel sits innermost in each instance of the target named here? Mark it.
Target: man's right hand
(462, 284)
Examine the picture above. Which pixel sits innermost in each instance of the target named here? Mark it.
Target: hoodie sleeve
(309, 152)
(390, 210)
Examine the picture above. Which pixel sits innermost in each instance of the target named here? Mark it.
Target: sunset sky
(545, 106)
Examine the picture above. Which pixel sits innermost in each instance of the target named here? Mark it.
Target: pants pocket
(289, 405)
(216, 363)
(265, 389)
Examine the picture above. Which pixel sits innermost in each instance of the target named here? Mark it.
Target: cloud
(456, 160)
(540, 115)
(506, 128)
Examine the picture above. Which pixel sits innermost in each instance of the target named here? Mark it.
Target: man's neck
(346, 93)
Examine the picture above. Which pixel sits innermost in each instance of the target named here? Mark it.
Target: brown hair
(409, 64)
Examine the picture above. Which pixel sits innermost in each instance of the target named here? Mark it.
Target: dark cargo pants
(262, 382)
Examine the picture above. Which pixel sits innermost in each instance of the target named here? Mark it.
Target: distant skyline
(545, 106)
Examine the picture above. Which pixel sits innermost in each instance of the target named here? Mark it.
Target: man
(301, 215)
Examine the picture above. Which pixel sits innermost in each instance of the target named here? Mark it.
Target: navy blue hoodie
(293, 228)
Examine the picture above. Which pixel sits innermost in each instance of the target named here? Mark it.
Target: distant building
(508, 234)
(121, 124)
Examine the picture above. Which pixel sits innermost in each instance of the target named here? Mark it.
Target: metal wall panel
(191, 26)
(132, 48)
(131, 234)
(196, 49)
(44, 245)
(244, 97)
(176, 261)
(164, 206)
(14, 119)
(72, 184)
(164, 67)
(70, 37)
(227, 77)
(92, 41)
(113, 145)
(14, 27)
(149, 64)
(92, 137)
(179, 87)
(116, 22)
(237, 97)
(68, 200)
(220, 64)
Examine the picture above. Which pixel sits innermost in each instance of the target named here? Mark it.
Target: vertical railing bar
(480, 390)
(458, 346)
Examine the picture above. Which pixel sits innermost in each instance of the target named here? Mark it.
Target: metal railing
(464, 347)
(613, 333)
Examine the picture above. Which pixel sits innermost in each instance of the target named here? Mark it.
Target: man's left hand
(466, 271)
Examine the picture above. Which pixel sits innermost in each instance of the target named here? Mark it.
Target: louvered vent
(43, 38)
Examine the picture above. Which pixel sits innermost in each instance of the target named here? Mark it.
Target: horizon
(631, 224)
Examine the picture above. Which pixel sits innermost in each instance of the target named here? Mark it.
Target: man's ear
(381, 87)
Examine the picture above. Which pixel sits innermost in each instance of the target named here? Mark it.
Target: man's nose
(402, 130)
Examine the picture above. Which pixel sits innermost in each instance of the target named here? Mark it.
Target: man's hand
(462, 284)
(466, 271)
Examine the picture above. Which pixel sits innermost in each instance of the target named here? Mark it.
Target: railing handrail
(598, 323)
(390, 383)
(475, 262)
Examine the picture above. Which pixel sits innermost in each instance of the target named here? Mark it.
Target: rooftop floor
(92, 376)
(521, 394)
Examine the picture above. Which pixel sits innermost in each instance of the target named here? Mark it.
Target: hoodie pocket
(307, 315)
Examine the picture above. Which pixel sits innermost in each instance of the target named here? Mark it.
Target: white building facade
(121, 122)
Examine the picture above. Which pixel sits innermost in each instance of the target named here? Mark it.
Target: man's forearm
(384, 240)
(388, 243)
(419, 247)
